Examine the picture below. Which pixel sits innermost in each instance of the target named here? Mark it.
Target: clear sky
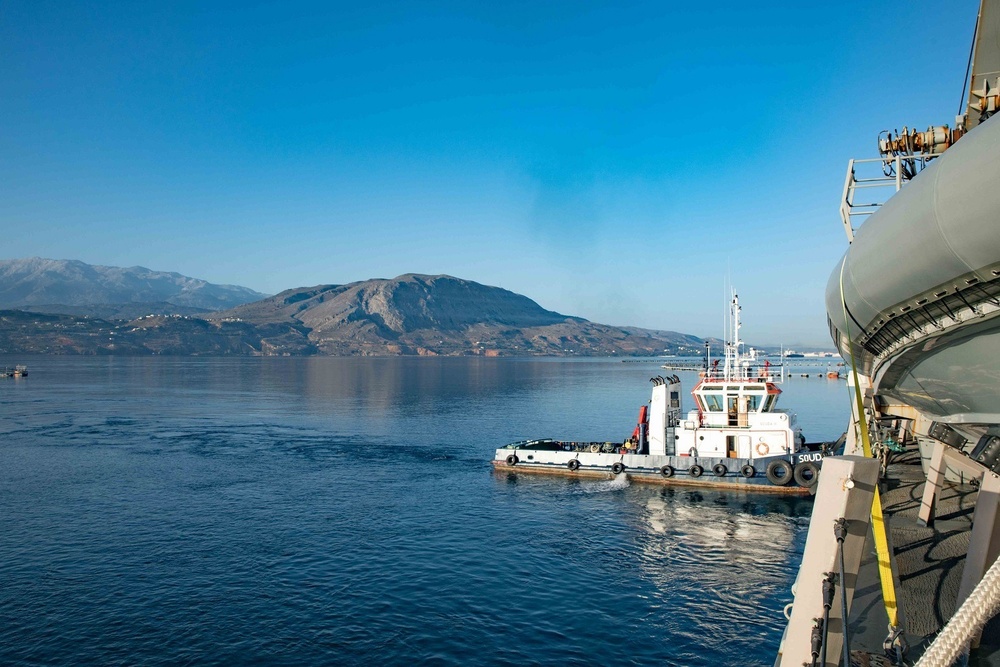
(611, 160)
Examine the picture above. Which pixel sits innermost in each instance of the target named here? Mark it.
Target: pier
(683, 367)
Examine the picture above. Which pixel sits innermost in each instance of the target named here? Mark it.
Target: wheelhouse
(735, 399)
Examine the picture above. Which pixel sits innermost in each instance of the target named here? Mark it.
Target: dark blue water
(343, 511)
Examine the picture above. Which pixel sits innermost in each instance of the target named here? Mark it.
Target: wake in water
(617, 484)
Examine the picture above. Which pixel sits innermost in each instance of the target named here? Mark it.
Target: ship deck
(928, 562)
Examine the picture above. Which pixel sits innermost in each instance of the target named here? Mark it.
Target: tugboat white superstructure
(735, 436)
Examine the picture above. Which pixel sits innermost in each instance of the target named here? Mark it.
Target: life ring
(763, 449)
(720, 470)
(512, 460)
(595, 448)
(695, 471)
(618, 468)
(779, 472)
(806, 474)
(572, 464)
(748, 471)
(667, 471)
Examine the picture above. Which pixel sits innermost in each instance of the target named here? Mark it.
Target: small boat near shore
(736, 436)
(16, 372)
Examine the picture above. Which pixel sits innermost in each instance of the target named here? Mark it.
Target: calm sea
(343, 511)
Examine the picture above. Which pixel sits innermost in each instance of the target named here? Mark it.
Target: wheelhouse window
(713, 402)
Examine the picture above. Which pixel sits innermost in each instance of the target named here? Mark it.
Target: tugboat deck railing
(773, 373)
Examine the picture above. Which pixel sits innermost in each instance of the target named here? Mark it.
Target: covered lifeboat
(916, 297)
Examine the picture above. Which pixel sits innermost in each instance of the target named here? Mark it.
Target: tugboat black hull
(794, 474)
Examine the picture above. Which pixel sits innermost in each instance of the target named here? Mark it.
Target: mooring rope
(981, 605)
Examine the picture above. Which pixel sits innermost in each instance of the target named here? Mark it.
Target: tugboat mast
(733, 343)
(737, 366)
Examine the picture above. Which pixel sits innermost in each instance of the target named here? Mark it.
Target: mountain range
(60, 286)
(60, 306)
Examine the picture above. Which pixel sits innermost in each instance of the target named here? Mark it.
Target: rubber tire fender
(806, 474)
(512, 460)
(667, 471)
(748, 471)
(573, 464)
(774, 477)
(695, 470)
(618, 468)
(720, 470)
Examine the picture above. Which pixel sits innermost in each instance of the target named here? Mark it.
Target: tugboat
(735, 437)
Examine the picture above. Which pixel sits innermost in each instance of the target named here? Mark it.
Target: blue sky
(615, 161)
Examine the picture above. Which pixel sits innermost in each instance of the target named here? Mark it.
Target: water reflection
(712, 566)
(715, 555)
(401, 383)
(572, 399)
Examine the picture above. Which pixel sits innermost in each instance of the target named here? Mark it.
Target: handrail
(757, 373)
(893, 175)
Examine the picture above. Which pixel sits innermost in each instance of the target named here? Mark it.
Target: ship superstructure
(914, 308)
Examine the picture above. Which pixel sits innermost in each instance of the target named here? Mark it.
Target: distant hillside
(70, 286)
(408, 303)
(22, 332)
(68, 307)
(116, 311)
(429, 315)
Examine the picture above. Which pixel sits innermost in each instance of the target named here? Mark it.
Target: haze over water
(343, 511)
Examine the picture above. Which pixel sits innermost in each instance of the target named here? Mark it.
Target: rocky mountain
(67, 307)
(60, 286)
(432, 315)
